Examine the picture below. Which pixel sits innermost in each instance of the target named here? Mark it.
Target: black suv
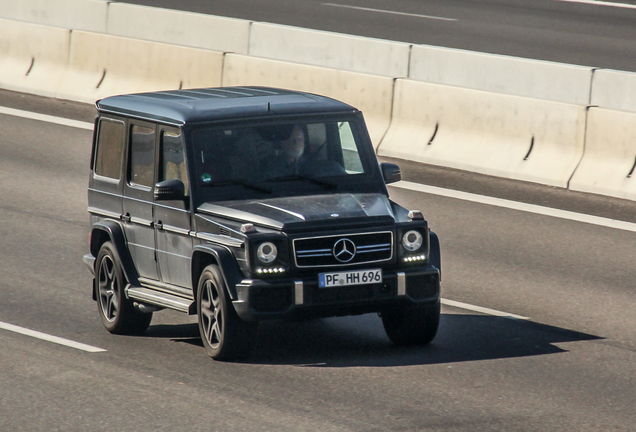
(247, 203)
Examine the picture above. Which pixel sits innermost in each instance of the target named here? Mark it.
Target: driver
(287, 162)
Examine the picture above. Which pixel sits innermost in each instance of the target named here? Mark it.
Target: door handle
(159, 225)
(126, 217)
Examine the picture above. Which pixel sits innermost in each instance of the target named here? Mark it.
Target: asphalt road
(589, 33)
(571, 366)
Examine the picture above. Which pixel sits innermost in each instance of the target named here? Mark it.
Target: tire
(411, 325)
(118, 313)
(225, 336)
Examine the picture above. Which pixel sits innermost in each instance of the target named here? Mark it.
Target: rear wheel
(118, 313)
(411, 325)
(225, 336)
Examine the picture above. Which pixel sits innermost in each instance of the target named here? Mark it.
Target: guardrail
(557, 124)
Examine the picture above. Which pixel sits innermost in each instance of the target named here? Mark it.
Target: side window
(142, 156)
(316, 138)
(173, 163)
(352, 162)
(110, 149)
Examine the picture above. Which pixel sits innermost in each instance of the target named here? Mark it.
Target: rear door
(105, 185)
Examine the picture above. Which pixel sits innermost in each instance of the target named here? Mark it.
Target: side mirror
(170, 190)
(390, 172)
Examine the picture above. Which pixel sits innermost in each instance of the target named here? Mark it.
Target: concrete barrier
(369, 93)
(501, 135)
(485, 122)
(502, 74)
(33, 58)
(180, 28)
(102, 65)
(70, 14)
(614, 90)
(332, 50)
(608, 167)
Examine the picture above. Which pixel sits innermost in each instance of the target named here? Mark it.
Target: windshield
(271, 154)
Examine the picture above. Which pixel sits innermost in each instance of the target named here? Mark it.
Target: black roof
(210, 104)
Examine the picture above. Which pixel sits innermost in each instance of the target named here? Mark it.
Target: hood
(287, 213)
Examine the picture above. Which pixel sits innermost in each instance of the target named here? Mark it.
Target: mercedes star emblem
(344, 250)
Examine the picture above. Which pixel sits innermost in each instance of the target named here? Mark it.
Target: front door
(138, 209)
(172, 218)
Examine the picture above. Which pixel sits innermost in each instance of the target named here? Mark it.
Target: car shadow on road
(361, 341)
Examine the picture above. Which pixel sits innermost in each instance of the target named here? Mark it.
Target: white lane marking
(389, 12)
(46, 118)
(602, 3)
(49, 338)
(516, 205)
(480, 309)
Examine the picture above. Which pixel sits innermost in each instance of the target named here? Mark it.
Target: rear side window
(110, 149)
(142, 156)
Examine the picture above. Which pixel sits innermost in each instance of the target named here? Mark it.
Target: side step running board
(157, 298)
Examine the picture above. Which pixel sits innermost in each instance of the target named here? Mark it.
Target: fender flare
(435, 254)
(221, 256)
(109, 230)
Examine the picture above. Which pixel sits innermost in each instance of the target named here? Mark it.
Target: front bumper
(302, 297)
(89, 260)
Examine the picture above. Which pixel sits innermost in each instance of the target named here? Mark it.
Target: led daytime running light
(415, 258)
(272, 270)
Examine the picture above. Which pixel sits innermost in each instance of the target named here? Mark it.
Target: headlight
(412, 240)
(267, 252)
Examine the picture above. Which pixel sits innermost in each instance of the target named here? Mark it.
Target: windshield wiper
(329, 184)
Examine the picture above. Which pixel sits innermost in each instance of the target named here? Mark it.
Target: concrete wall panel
(103, 65)
(88, 15)
(332, 50)
(370, 94)
(33, 58)
(610, 155)
(180, 28)
(502, 74)
(614, 90)
(501, 135)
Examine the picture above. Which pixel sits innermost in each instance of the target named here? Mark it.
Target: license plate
(347, 278)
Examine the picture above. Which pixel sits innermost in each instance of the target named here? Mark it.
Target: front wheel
(411, 325)
(225, 336)
(118, 313)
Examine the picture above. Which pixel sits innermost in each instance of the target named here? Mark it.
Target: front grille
(343, 250)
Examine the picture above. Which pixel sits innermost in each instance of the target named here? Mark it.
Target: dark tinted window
(276, 152)
(142, 156)
(110, 149)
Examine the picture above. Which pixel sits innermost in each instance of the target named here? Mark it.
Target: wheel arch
(435, 253)
(112, 231)
(206, 254)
